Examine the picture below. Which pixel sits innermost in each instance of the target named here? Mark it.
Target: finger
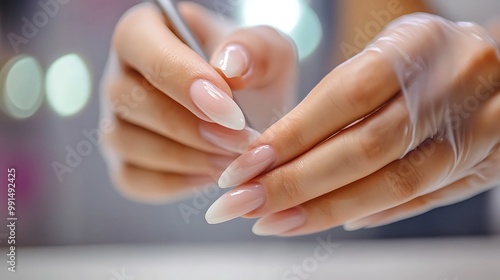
(358, 151)
(331, 209)
(456, 192)
(148, 150)
(254, 57)
(345, 95)
(143, 41)
(485, 176)
(133, 99)
(263, 62)
(154, 187)
(395, 184)
(428, 94)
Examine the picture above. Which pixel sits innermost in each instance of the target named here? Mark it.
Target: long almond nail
(229, 140)
(279, 223)
(232, 61)
(236, 203)
(217, 105)
(247, 166)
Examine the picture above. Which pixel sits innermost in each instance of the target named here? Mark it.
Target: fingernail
(229, 140)
(235, 203)
(247, 166)
(279, 223)
(355, 225)
(232, 61)
(217, 105)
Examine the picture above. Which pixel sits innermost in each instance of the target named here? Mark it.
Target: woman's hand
(410, 124)
(175, 124)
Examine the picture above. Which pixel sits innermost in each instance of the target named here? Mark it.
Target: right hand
(175, 125)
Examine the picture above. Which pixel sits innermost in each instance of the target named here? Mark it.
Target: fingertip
(254, 57)
(223, 181)
(232, 61)
(217, 105)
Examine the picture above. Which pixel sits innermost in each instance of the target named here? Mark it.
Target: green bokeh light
(68, 85)
(22, 80)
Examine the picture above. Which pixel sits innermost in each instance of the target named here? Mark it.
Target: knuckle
(167, 67)
(290, 190)
(379, 141)
(287, 186)
(423, 202)
(294, 135)
(329, 212)
(404, 183)
(424, 26)
(363, 95)
(158, 71)
(372, 145)
(433, 26)
(357, 97)
(417, 35)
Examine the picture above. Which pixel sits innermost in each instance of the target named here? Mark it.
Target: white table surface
(430, 259)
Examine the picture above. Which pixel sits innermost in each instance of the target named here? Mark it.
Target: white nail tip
(217, 105)
(224, 180)
(217, 213)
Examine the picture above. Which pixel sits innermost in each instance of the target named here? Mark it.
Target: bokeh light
(22, 80)
(281, 14)
(308, 33)
(68, 85)
(293, 17)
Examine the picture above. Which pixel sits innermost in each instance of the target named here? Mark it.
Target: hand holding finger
(343, 177)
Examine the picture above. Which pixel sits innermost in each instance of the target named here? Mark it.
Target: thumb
(261, 65)
(247, 57)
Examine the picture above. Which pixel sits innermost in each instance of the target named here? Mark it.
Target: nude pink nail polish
(247, 166)
(217, 105)
(232, 61)
(236, 203)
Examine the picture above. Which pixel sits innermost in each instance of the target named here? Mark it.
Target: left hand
(410, 124)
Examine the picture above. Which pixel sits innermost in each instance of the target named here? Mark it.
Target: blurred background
(52, 54)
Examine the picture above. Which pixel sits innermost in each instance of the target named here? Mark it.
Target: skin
(168, 124)
(355, 177)
(173, 157)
